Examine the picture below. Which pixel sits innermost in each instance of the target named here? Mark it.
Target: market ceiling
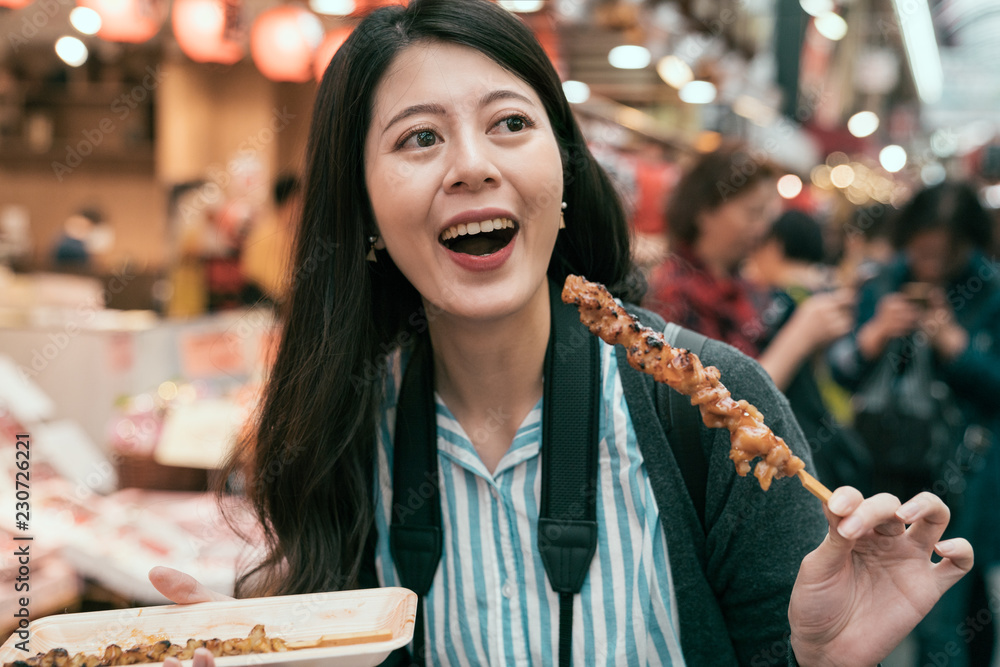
(966, 34)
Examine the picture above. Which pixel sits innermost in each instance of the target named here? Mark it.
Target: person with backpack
(437, 418)
(924, 363)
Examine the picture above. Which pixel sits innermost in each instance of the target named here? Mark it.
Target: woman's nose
(472, 165)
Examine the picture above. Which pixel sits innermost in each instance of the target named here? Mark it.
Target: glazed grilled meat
(683, 371)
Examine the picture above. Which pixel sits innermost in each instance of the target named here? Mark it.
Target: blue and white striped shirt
(490, 602)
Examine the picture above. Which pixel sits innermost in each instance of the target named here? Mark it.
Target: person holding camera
(925, 367)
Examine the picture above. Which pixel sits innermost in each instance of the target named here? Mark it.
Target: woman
(446, 116)
(927, 330)
(718, 214)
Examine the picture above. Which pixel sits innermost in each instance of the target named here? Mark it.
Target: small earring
(373, 242)
(562, 218)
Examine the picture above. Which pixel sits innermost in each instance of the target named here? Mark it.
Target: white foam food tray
(292, 618)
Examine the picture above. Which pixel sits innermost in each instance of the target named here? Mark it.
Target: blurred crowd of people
(225, 256)
(889, 357)
(223, 250)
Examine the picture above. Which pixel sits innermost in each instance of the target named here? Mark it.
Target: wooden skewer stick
(343, 639)
(814, 486)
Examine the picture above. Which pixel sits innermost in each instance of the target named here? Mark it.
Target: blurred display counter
(110, 543)
(86, 357)
(82, 540)
(129, 417)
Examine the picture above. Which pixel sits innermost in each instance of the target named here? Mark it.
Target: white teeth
(464, 229)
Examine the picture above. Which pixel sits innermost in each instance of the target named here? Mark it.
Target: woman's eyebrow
(503, 94)
(435, 109)
(438, 110)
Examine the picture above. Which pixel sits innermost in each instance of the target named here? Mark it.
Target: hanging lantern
(544, 29)
(324, 54)
(15, 4)
(283, 41)
(362, 7)
(209, 31)
(132, 21)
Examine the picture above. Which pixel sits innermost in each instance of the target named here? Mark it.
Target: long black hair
(953, 206)
(308, 465)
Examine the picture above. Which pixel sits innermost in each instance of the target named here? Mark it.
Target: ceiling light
(944, 143)
(914, 17)
(674, 71)
(832, 26)
(842, 175)
(837, 157)
(85, 20)
(522, 6)
(892, 158)
(72, 51)
(576, 92)
(332, 7)
(992, 196)
(863, 123)
(856, 197)
(698, 92)
(629, 56)
(789, 186)
(820, 176)
(933, 173)
(816, 7)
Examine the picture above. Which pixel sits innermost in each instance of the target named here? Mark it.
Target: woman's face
(934, 257)
(729, 232)
(457, 147)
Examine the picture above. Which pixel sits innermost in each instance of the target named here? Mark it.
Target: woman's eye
(515, 123)
(425, 138)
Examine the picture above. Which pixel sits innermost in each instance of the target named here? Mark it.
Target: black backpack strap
(415, 533)
(682, 422)
(567, 527)
(567, 522)
(679, 420)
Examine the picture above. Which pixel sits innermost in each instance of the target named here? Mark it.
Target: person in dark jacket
(928, 334)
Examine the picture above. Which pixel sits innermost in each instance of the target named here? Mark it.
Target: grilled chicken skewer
(647, 351)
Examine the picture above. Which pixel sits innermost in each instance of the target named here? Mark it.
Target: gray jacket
(732, 579)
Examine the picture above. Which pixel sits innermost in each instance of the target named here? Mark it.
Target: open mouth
(479, 238)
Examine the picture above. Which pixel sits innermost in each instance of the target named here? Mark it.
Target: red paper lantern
(132, 21)
(208, 31)
(283, 41)
(328, 49)
(362, 7)
(549, 40)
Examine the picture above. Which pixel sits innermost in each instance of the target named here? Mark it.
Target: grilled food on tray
(256, 642)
